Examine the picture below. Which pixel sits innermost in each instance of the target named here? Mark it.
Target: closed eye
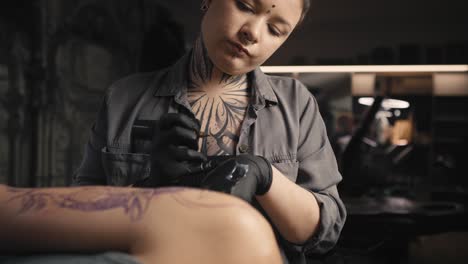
(244, 7)
(275, 32)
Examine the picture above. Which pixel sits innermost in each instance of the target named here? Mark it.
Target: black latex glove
(174, 154)
(243, 176)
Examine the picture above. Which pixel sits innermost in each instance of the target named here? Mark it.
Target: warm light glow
(402, 132)
(387, 103)
(386, 114)
(401, 142)
(365, 68)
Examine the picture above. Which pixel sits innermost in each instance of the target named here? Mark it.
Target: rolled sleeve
(332, 219)
(318, 173)
(90, 171)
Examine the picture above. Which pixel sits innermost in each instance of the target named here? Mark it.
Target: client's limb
(166, 225)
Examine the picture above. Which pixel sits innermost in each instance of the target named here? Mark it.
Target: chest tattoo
(219, 101)
(220, 113)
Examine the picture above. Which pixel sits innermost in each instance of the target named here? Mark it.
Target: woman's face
(242, 34)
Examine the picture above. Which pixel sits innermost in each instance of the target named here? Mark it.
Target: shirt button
(243, 148)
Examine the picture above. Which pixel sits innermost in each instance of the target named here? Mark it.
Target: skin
(219, 93)
(165, 225)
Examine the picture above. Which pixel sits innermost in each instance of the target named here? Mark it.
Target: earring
(204, 5)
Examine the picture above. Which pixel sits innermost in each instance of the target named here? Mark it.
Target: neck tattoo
(218, 100)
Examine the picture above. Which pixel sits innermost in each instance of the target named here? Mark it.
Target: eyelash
(243, 7)
(273, 31)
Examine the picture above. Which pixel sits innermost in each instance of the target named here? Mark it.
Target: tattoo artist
(216, 121)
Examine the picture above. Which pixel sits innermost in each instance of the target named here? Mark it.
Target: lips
(239, 49)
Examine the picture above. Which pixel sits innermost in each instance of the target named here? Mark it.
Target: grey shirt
(282, 124)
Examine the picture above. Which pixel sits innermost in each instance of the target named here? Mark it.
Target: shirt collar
(174, 81)
(263, 90)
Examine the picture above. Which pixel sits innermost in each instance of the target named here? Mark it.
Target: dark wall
(342, 30)
(57, 62)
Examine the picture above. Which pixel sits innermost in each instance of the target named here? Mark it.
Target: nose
(250, 33)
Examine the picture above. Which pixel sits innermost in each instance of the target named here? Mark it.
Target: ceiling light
(387, 103)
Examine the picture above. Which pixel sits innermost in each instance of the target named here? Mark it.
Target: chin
(234, 72)
(234, 67)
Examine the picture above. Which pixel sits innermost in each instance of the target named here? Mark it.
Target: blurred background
(400, 137)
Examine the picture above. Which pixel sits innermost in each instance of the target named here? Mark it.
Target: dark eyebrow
(279, 19)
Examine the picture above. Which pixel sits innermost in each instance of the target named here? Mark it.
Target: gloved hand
(243, 176)
(174, 152)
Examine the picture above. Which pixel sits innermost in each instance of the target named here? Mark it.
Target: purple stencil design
(134, 203)
(34, 202)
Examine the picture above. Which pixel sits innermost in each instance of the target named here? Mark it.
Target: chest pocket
(288, 169)
(124, 169)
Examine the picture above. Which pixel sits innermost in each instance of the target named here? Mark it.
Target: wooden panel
(450, 84)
